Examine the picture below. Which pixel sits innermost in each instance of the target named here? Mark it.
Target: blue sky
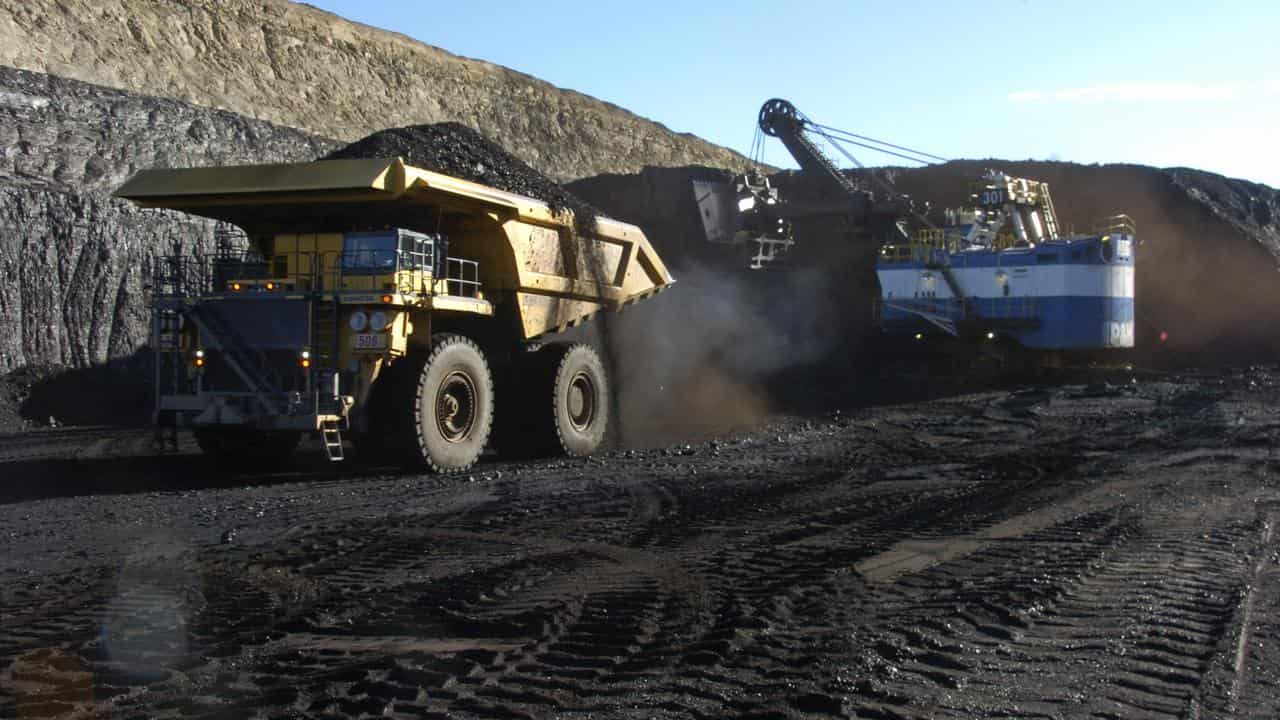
(1157, 83)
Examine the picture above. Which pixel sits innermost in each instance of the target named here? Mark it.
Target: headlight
(359, 321)
(378, 321)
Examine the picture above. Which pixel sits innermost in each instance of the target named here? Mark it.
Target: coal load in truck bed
(457, 150)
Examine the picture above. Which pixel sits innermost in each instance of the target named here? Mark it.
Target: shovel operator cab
(388, 302)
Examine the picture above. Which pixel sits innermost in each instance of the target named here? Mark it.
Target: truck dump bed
(557, 270)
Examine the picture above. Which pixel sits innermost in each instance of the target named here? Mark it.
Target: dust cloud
(706, 356)
(727, 346)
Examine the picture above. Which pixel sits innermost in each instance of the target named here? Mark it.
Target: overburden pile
(457, 150)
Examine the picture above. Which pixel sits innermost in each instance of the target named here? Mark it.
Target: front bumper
(285, 411)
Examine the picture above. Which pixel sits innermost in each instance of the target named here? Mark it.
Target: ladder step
(332, 437)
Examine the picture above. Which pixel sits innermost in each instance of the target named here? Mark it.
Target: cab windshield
(370, 253)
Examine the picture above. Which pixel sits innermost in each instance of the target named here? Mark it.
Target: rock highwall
(74, 257)
(295, 65)
(73, 295)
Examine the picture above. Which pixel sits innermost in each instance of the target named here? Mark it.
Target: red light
(1164, 336)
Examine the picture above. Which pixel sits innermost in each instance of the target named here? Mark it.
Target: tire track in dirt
(534, 607)
(1142, 602)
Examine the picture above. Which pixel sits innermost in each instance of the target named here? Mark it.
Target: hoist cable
(921, 153)
(875, 178)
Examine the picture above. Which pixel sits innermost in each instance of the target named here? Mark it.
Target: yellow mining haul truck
(387, 302)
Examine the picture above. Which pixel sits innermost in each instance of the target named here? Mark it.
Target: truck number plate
(371, 341)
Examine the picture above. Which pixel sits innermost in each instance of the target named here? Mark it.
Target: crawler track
(1082, 551)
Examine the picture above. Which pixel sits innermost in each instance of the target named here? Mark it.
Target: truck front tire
(452, 406)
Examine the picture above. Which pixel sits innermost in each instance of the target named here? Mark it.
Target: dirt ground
(1098, 548)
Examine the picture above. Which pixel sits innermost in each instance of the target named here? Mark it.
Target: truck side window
(415, 252)
(424, 253)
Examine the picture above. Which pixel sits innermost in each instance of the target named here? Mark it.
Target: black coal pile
(661, 201)
(117, 392)
(457, 150)
(1252, 208)
(15, 388)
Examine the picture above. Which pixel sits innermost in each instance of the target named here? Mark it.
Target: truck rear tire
(451, 408)
(580, 401)
(560, 404)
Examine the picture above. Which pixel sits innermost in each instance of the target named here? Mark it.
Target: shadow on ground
(116, 393)
(50, 464)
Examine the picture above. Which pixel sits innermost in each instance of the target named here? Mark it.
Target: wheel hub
(581, 401)
(456, 407)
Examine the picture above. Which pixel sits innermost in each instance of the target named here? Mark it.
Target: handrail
(1119, 224)
(328, 271)
(364, 270)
